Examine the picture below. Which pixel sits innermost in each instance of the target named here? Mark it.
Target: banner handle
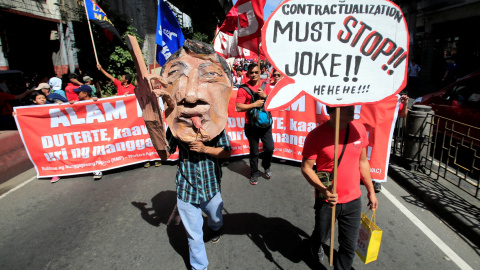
(335, 173)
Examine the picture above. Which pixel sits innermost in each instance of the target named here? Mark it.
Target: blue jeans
(348, 216)
(192, 220)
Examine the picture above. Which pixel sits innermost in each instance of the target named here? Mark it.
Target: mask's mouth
(193, 114)
(197, 122)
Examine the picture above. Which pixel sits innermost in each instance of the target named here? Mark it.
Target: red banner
(84, 137)
(291, 126)
(110, 133)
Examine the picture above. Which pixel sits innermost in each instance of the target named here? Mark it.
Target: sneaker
(97, 175)
(146, 165)
(253, 180)
(377, 186)
(54, 179)
(216, 235)
(158, 163)
(268, 173)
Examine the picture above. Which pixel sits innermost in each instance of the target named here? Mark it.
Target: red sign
(291, 126)
(84, 137)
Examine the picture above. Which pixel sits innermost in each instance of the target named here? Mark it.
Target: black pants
(254, 134)
(348, 217)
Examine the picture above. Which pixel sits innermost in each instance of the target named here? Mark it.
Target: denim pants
(348, 217)
(192, 220)
(254, 135)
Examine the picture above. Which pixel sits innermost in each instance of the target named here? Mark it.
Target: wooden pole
(155, 59)
(335, 173)
(216, 34)
(258, 60)
(91, 35)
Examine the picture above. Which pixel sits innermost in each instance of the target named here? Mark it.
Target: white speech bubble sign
(341, 54)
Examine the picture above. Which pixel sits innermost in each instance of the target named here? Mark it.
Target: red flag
(247, 18)
(225, 45)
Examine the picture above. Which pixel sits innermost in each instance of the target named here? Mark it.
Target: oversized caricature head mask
(200, 83)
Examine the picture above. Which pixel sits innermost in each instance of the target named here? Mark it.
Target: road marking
(17, 187)
(435, 239)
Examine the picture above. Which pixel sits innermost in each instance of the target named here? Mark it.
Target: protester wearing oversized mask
(197, 84)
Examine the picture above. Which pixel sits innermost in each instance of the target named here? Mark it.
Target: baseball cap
(83, 88)
(87, 79)
(55, 83)
(72, 76)
(42, 86)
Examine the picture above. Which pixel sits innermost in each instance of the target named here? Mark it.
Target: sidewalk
(14, 156)
(458, 208)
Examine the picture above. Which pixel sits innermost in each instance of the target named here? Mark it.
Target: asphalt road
(127, 221)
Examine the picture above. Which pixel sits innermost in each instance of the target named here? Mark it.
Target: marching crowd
(254, 83)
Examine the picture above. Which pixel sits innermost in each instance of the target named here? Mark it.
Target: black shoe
(317, 255)
(216, 235)
(377, 186)
(254, 180)
(268, 173)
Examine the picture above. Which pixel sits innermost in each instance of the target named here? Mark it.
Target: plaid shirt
(198, 175)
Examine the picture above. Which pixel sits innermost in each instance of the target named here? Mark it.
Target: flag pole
(154, 59)
(216, 34)
(335, 173)
(90, 28)
(258, 59)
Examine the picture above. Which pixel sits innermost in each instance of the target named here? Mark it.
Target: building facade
(37, 36)
(442, 29)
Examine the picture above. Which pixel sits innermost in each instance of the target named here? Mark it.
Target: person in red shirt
(276, 76)
(124, 85)
(73, 84)
(255, 134)
(319, 149)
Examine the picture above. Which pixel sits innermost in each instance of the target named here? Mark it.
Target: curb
(463, 217)
(14, 156)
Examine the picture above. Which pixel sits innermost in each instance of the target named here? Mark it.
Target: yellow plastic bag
(369, 238)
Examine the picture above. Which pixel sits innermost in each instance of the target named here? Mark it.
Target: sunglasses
(276, 75)
(253, 72)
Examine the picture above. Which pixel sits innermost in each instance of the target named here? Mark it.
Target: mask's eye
(212, 73)
(172, 72)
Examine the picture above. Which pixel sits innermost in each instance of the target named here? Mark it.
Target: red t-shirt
(69, 92)
(121, 90)
(319, 145)
(245, 98)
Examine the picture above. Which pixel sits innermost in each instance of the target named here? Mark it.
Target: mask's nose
(191, 89)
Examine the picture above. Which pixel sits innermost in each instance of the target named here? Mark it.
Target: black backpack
(258, 116)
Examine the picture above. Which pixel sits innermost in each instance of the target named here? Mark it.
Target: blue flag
(169, 34)
(97, 15)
